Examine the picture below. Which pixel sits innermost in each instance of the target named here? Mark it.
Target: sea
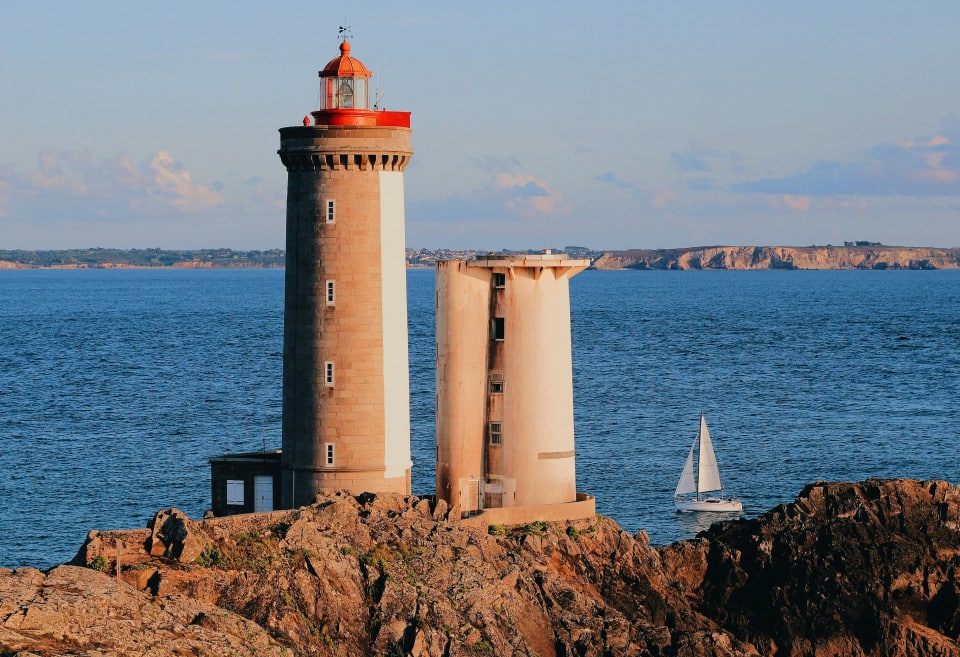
(116, 386)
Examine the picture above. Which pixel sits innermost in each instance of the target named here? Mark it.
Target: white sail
(709, 474)
(704, 479)
(687, 483)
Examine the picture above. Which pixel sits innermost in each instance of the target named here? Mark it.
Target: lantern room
(345, 82)
(345, 95)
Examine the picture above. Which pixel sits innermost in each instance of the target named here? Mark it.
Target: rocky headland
(876, 256)
(866, 569)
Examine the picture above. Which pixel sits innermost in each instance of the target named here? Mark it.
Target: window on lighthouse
(496, 433)
(345, 93)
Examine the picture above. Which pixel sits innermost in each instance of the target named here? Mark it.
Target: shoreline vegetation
(851, 255)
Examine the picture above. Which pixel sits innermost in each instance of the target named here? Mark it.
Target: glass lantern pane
(345, 93)
(361, 88)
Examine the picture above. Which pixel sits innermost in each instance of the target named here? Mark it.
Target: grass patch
(538, 528)
(211, 556)
(100, 564)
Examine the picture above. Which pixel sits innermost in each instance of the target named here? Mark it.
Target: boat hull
(709, 504)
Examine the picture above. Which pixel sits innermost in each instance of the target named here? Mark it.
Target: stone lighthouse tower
(346, 399)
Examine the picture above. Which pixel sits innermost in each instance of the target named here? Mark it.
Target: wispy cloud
(791, 202)
(703, 158)
(655, 198)
(71, 198)
(507, 196)
(611, 178)
(915, 167)
(170, 183)
(495, 164)
(528, 196)
(72, 182)
(663, 198)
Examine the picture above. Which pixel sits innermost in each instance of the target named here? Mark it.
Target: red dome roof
(345, 66)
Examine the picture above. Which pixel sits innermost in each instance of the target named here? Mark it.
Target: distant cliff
(860, 570)
(783, 257)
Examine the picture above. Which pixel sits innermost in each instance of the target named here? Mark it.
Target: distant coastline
(851, 255)
(97, 258)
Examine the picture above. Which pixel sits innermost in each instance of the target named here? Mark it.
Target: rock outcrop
(77, 611)
(847, 569)
(865, 569)
(783, 257)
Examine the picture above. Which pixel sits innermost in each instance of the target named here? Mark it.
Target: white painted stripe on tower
(396, 369)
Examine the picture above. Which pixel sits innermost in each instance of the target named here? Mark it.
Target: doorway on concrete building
(262, 494)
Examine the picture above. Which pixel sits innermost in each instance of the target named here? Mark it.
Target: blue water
(115, 387)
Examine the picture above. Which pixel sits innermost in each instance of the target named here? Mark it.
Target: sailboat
(705, 480)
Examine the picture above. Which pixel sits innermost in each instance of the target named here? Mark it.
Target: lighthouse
(346, 399)
(505, 431)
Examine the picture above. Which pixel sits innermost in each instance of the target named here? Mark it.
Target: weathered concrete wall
(462, 320)
(504, 360)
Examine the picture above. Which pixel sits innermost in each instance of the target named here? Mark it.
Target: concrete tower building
(346, 400)
(505, 434)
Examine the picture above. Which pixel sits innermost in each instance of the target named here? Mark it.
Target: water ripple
(115, 386)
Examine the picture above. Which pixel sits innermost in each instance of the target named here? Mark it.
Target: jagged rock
(175, 535)
(864, 569)
(75, 610)
(847, 569)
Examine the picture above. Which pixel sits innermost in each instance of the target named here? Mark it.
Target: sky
(610, 125)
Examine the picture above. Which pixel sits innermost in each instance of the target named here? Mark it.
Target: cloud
(613, 179)
(528, 196)
(655, 198)
(494, 164)
(790, 201)
(950, 127)
(845, 203)
(173, 184)
(508, 196)
(72, 184)
(924, 167)
(663, 198)
(701, 157)
(700, 184)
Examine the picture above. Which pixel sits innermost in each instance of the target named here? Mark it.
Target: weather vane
(345, 32)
